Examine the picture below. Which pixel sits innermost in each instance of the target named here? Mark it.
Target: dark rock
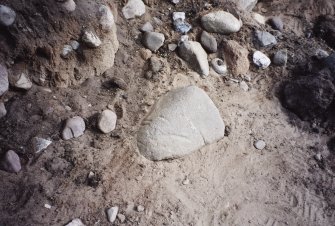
(309, 96)
(325, 29)
(11, 162)
(276, 23)
(209, 42)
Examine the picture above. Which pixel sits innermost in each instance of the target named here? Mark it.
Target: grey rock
(280, 58)
(258, 18)
(7, 15)
(194, 55)
(75, 222)
(265, 39)
(74, 127)
(11, 162)
(179, 22)
(66, 52)
(23, 82)
(3, 111)
(181, 122)
(133, 9)
(74, 44)
(247, 5)
(219, 66)
(209, 42)
(153, 40)
(221, 22)
(4, 83)
(321, 54)
(172, 47)
(175, 1)
(147, 27)
(106, 21)
(261, 60)
(112, 213)
(91, 39)
(276, 23)
(39, 144)
(259, 144)
(107, 121)
(69, 5)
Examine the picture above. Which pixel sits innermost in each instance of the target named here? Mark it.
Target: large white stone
(261, 60)
(195, 56)
(221, 22)
(133, 9)
(182, 121)
(7, 15)
(74, 127)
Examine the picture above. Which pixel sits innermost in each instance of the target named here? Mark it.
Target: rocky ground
(167, 112)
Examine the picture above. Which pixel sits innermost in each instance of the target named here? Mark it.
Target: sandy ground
(227, 183)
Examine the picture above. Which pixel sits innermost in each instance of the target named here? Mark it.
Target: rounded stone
(181, 122)
(106, 18)
(276, 23)
(221, 22)
(7, 15)
(261, 60)
(74, 127)
(11, 162)
(133, 8)
(209, 42)
(91, 39)
(107, 121)
(280, 58)
(260, 144)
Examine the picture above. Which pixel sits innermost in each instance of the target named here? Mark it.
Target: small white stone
(244, 86)
(69, 5)
(75, 222)
(321, 54)
(107, 121)
(112, 213)
(39, 144)
(219, 66)
(178, 16)
(175, 1)
(47, 206)
(133, 9)
(140, 208)
(74, 44)
(172, 47)
(318, 157)
(67, 50)
(91, 39)
(23, 82)
(261, 60)
(260, 144)
(147, 27)
(186, 182)
(74, 127)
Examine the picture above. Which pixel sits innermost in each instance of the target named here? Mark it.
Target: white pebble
(260, 144)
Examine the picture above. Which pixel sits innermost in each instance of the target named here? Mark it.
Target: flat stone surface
(221, 22)
(147, 27)
(74, 127)
(181, 122)
(39, 144)
(4, 83)
(259, 18)
(261, 60)
(7, 15)
(195, 56)
(11, 162)
(153, 40)
(107, 121)
(23, 82)
(209, 42)
(133, 8)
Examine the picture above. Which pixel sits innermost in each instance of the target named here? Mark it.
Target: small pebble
(259, 144)
(74, 44)
(11, 162)
(121, 217)
(74, 127)
(186, 182)
(147, 27)
(261, 60)
(23, 82)
(209, 42)
(145, 53)
(318, 157)
(107, 121)
(321, 54)
(75, 222)
(67, 50)
(265, 39)
(244, 86)
(280, 58)
(172, 47)
(3, 111)
(153, 40)
(133, 8)
(112, 213)
(91, 39)
(47, 206)
(140, 208)
(219, 66)
(69, 5)
(39, 144)
(276, 23)
(106, 18)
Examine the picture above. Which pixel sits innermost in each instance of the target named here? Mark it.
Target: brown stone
(236, 57)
